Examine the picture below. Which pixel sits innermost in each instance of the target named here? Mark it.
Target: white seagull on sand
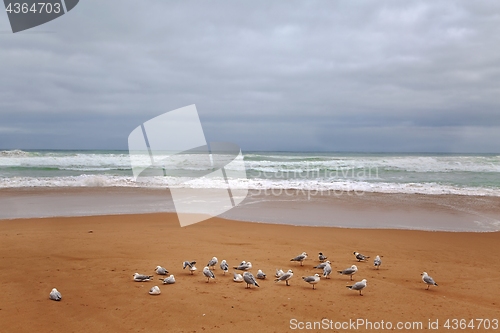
(169, 280)
(190, 264)
(377, 262)
(224, 266)
(212, 262)
(360, 257)
(237, 277)
(249, 279)
(285, 277)
(322, 257)
(327, 270)
(55, 295)
(312, 279)
(155, 291)
(161, 270)
(428, 280)
(208, 273)
(142, 278)
(323, 264)
(261, 275)
(243, 266)
(300, 257)
(358, 286)
(349, 271)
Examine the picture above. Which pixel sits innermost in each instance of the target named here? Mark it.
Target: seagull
(261, 275)
(300, 257)
(349, 271)
(285, 277)
(142, 278)
(323, 264)
(358, 286)
(428, 280)
(224, 266)
(161, 270)
(327, 270)
(237, 277)
(321, 257)
(312, 279)
(212, 262)
(243, 266)
(360, 257)
(55, 295)
(168, 280)
(279, 272)
(189, 264)
(249, 279)
(208, 273)
(155, 291)
(377, 262)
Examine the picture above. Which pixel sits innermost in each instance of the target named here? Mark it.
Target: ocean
(463, 174)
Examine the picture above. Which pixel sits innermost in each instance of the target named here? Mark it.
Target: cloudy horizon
(385, 76)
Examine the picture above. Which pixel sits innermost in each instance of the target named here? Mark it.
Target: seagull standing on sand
(323, 264)
(224, 266)
(285, 277)
(321, 257)
(161, 270)
(249, 279)
(349, 271)
(237, 277)
(142, 278)
(155, 291)
(428, 280)
(189, 264)
(208, 273)
(327, 270)
(300, 257)
(212, 262)
(261, 275)
(243, 266)
(55, 295)
(360, 257)
(377, 262)
(358, 286)
(312, 279)
(169, 280)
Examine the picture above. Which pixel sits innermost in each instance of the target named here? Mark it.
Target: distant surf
(462, 174)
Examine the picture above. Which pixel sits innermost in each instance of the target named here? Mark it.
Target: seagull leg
(351, 277)
(286, 281)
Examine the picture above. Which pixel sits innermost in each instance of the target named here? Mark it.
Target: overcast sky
(376, 76)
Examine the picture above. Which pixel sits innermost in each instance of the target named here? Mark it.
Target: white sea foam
(263, 185)
(386, 173)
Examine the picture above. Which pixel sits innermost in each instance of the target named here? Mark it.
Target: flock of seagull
(251, 280)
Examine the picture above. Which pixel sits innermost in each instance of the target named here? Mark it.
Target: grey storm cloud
(280, 75)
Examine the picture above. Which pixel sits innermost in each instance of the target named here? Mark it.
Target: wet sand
(333, 209)
(94, 271)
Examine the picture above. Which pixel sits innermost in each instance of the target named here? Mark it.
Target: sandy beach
(93, 271)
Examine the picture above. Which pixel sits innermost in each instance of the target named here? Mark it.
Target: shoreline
(454, 213)
(93, 271)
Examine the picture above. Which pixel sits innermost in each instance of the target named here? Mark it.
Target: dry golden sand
(94, 271)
